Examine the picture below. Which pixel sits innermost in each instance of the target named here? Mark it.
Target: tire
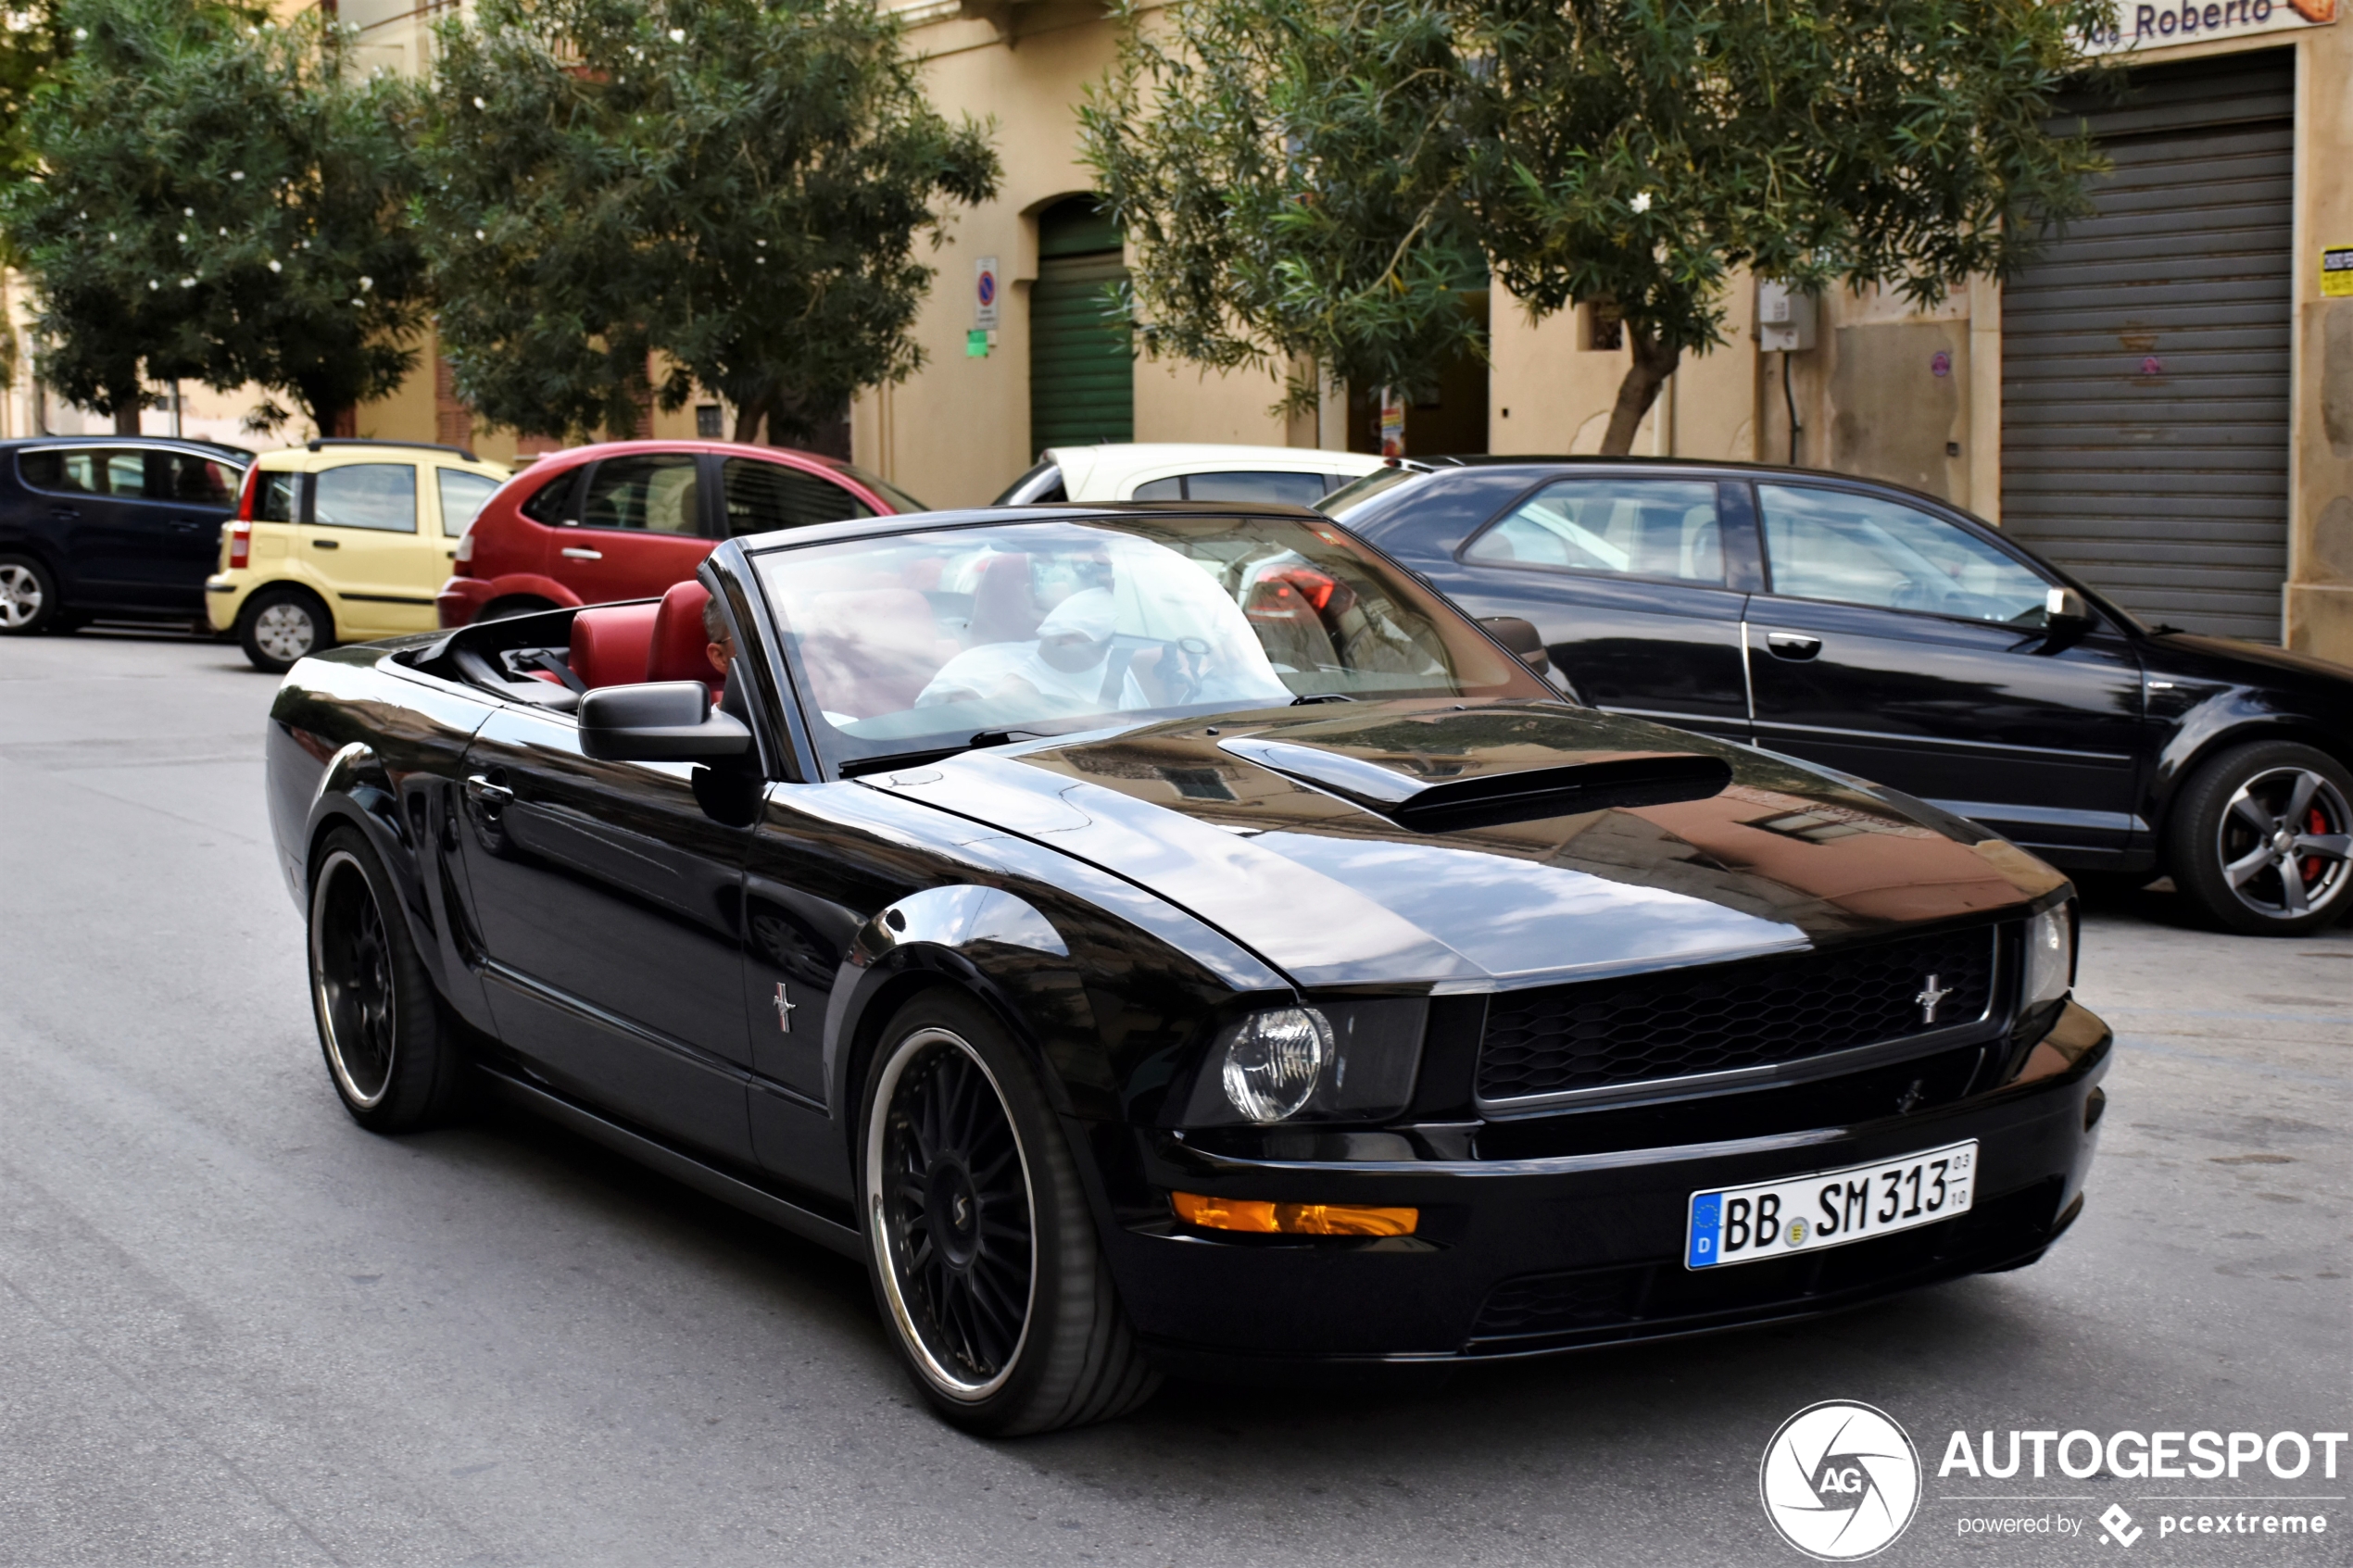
(2259, 839)
(1003, 1311)
(392, 1054)
(28, 602)
(279, 626)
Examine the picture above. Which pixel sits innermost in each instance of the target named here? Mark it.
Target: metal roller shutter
(2145, 356)
(1082, 380)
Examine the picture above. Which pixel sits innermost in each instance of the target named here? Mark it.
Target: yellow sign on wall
(2336, 272)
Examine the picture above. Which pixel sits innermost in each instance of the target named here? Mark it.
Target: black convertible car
(1159, 939)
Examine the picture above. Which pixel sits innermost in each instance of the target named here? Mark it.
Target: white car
(1176, 471)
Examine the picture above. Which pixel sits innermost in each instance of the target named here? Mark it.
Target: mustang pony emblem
(785, 1005)
(1931, 997)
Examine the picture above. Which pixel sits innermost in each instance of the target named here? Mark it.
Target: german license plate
(1829, 1208)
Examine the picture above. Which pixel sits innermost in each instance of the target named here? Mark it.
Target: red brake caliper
(2310, 868)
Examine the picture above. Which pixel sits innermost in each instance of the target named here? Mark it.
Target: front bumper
(1517, 1257)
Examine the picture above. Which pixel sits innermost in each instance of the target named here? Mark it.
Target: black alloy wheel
(984, 1252)
(2262, 839)
(280, 626)
(392, 1054)
(28, 598)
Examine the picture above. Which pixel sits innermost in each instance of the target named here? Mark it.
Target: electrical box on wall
(1784, 317)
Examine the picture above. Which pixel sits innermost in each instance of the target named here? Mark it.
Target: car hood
(1471, 845)
(2194, 653)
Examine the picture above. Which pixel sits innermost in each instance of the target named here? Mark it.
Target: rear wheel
(282, 625)
(2262, 839)
(984, 1252)
(28, 598)
(392, 1054)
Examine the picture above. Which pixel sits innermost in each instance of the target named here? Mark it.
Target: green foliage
(736, 184)
(219, 201)
(1299, 174)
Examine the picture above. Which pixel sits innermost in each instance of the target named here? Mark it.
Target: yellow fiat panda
(341, 541)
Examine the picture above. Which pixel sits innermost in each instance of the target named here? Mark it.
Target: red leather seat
(681, 648)
(609, 644)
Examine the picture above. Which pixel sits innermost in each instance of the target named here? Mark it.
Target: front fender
(2223, 716)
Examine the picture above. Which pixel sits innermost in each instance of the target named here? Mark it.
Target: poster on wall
(2161, 24)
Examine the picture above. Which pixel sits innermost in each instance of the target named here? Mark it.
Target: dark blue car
(120, 526)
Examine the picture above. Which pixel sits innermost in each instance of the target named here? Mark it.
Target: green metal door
(1082, 380)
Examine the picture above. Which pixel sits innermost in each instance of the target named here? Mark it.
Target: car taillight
(239, 545)
(462, 564)
(245, 495)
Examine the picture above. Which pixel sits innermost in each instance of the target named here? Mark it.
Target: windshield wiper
(981, 739)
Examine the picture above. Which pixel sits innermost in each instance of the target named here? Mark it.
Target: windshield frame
(1521, 684)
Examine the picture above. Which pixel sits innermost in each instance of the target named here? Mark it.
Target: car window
(126, 474)
(1356, 492)
(1628, 527)
(1862, 550)
(551, 503)
(656, 493)
(764, 496)
(1289, 489)
(274, 499)
(184, 476)
(74, 472)
(377, 495)
(899, 500)
(462, 495)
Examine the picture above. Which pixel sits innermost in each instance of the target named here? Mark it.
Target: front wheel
(2262, 839)
(985, 1256)
(28, 598)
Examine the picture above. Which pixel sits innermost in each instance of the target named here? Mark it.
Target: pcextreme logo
(1839, 1480)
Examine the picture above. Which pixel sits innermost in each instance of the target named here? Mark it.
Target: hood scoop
(1492, 799)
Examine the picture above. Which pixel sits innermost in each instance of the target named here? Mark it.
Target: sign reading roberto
(2157, 24)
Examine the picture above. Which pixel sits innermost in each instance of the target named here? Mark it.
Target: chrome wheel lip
(2272, 843)
(275, 634)
(20, 597)
(324, 1004)
(904, 1055)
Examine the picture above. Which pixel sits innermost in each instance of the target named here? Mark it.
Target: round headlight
(1275, 1060)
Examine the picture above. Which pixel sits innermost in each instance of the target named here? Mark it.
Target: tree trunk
(340, 424)
(748, 415)
(126, 414)
(1652, 364)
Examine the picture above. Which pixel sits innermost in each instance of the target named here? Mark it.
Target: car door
(120, 547)
(760, 497)
(1636, 585)
(637, 526)
(610, 906)
(1905, 648)
(361, 534)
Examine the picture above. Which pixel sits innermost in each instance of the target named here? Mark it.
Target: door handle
(573, 552)
(486, 792)
(326, 544)
(186, 524)
(1793, 645)
(65, 512)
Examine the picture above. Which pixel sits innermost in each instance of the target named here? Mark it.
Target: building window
(711, 423)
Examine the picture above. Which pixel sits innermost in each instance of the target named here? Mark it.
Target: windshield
(929, 642)
(1356, 492)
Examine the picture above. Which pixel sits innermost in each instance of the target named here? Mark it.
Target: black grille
(1608, 1032)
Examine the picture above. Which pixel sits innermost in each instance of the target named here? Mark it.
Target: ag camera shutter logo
(1840, 1481)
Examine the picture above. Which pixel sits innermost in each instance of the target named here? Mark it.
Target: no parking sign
(985, 293)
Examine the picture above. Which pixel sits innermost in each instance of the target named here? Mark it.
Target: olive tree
(1300, 177)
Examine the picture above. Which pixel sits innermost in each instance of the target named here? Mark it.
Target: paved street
(235, 1328)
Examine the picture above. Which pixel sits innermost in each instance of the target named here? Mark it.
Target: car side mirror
(659, 721)
(1522, 638)
(2064, 610)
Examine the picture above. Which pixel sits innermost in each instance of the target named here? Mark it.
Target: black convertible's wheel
(985, 1255)
(393, 1055)
(2262, 839)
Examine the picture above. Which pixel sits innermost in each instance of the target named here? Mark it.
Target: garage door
(2144, 357)
(1082, 380)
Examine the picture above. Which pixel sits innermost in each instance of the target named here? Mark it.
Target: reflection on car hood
(1308, 864)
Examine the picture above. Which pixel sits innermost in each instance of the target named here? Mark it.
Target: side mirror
(1522, 638)
(661, 722)
(2064, 610)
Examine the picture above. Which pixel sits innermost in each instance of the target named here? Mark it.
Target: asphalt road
(236, 1329)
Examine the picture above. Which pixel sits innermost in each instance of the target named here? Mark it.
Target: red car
(626, 518)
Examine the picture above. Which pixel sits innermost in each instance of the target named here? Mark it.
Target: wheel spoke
(2249, 811)
(2327, 846)
(2239, 871)
(2299, 799)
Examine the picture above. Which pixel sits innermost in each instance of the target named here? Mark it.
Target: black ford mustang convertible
(1166, 939)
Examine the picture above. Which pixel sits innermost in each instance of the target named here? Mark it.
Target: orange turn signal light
(1291, 1219)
